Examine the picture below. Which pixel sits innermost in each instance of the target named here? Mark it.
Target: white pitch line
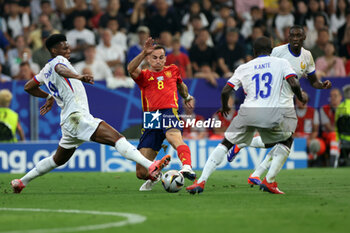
(130, 219)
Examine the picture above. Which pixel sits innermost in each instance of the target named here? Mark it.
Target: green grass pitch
(316, 201)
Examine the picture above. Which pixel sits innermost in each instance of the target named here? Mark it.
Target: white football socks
(215, 158)
(130, 152)
(264, 165)
(43, 167)
(280, 156)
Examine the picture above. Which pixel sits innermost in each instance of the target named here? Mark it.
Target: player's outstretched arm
(316, 83)
(225, 95)
(183, 91)
(67, 73)
(133, 69)
(295, 85)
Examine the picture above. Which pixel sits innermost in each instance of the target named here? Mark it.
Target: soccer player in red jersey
(159, 85)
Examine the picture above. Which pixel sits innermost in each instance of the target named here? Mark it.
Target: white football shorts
(78, 128)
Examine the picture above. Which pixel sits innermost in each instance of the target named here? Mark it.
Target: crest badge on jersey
(152, 120)
(167, 74)
(160, 78)
(302, 65)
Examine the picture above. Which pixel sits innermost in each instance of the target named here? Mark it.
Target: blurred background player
(9, 120)
(342, 119)
(327, 119)
(259, 101)
(159, 85)
(303, 64)
(77, 124)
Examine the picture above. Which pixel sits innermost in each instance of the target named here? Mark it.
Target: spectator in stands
(230, 54)
(338, 17)
(256, 14)
(195, 133)
(207, 9)
(112, 54)
(315, 7)
(80, 8)
(188, 36)
(79, 38)
(243, 7)
(4, 43)
(344, 49)
(120, 79)
(34, 38)
(25, 55)
(331, 65)
(4, 77)
(25, 72)
(257, 32)
(201, 53)
(342, 29)
(323, 38)
(15, 23)
(218, 133)
(42, 55)
(46, 8)
(307, 127)
(320, 22)
(217, 27)
(118, 37)
(9, 120)
(112, 12)
(165, 39)
(180, 59)
(327, 117)
(300, 12)
(195, 10)
(206, 72)
(283, 18)
(98, 67)
(165, 19)
(342, 118)
(13, 54)
(138, 15)
(143, 33)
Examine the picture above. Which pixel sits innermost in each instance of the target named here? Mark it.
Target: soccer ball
(173, 181)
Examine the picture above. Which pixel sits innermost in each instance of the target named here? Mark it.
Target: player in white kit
(77, 124)
(303, 64)
(262, 80)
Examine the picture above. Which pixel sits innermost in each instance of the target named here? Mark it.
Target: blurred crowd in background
(206, 39)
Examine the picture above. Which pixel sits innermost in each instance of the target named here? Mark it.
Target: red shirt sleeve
(140, 79)
(177, 74)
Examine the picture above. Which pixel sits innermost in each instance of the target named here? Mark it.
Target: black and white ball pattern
(173, 181)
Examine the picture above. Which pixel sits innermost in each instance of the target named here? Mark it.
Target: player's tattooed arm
(225, 95)
(295, 85)
(65, 72)
(183, 91)
(316, 83)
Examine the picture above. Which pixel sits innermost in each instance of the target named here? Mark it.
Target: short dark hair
(53, 40)
(262, 45)
(159, 47)
(296, 27)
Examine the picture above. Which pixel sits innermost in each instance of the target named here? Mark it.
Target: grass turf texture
(316, 200)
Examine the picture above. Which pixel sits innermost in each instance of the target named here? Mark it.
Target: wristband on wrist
(48, 96)
(188, 97)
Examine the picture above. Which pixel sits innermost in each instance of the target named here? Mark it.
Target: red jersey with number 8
(159, 89)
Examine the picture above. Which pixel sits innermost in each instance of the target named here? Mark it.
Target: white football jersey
(262, 79)
(69, 94)
(303, 65)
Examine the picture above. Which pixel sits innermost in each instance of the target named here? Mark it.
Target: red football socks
(184, 154)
